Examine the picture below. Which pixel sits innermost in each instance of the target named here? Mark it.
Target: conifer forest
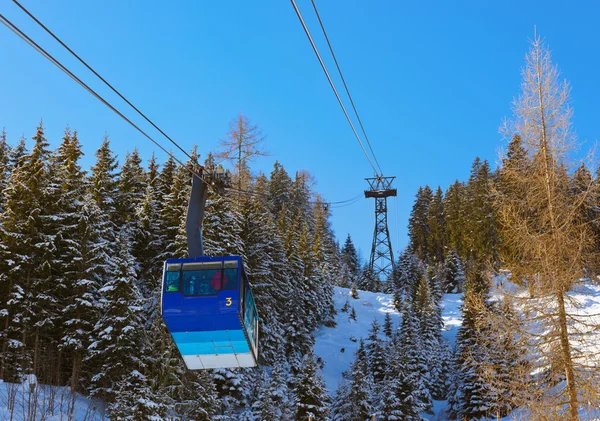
(491, 312)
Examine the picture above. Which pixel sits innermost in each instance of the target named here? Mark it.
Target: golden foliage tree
(547, 244)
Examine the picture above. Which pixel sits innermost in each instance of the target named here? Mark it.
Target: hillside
(337, 346)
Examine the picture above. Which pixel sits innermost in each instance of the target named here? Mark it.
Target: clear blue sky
(432, 81)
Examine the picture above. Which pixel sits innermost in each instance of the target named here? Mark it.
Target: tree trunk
(4, 349)
(565, 349)
(58, 372)
(36, 351)
(75, 371)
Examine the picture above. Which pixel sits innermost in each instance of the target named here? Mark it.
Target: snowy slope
(583, 300)
(35, 402)
(368, 306)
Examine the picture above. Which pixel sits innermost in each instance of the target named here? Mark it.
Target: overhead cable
(101, 78)
(58, 64)
(337, 95)
(345, 85)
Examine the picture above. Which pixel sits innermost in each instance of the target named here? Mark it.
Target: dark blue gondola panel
(209, 310)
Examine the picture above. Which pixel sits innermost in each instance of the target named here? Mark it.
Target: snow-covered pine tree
(173, 209)
(196, 399)
(388, 327)
(350, 264)
(398, 400)
(415, 359)
(418, 224)
(265, 407)
(16, 153)
(147, 244)
(436, 241)
(504, 361)
(341, 406)
(280, 189)
(473, 398)
(266, 269)
(456, 218)
(481, 217)
(311, 395)
(367, 281)
(134, 400)
(66, 188)
(132, 184)
(430, 324)
(115, 351)
(410, 270)
(352, 315)
(328, 268)
(27, 247)
(455, 275)
(4, 166)
(376, 355)
(103, 182)
(222, 227)
(353, 398)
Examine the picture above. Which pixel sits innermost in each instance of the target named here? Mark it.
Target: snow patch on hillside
(337, 346)
(30, 401)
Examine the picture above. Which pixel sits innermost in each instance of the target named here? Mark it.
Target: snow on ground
(452, 316)
(30, 401)
(336, 346)
(369, 306)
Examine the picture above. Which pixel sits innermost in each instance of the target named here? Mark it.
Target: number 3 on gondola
(228, 300)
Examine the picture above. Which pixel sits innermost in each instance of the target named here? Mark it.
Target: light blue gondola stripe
(207, 336)
(213, 342)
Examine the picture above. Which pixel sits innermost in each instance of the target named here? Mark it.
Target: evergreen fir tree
(437, 225)
(415, 359)
(481, 218)
(132, 184)
(266, 268)
(27, 248)
(352, 315)
(115, 349)
(388, 328)
(173, 209)
(456, 219)
(135, 401)
(418, 224)
(353, 399)
(376, 354)
(350, 264)
(280, 188)
(196, 399)
(16, 153)
(90, 255)
(103, 183)
(410, 270)
(4, 166)
(398, 401)
(312, 398)
(147, 244)
(346, 307)
(455, 276)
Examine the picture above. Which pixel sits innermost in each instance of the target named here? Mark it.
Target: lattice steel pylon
(382, 256)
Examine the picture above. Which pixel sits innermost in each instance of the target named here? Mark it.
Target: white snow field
(31, 401)
(346, 335)
(583, 300)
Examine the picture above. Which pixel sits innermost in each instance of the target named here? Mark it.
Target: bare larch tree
(242, 145)
(548, 246)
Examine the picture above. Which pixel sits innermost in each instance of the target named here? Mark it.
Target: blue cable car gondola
(207, 303)
(209, 309)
